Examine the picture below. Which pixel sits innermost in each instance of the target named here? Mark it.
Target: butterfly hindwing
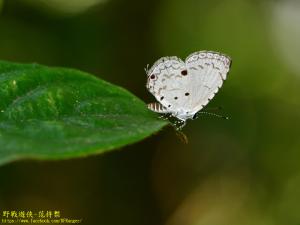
(164, 82)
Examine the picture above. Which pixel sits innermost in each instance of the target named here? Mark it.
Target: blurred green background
(245, 170)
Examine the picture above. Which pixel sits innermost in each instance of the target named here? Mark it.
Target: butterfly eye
(184, 72)
(152, 76)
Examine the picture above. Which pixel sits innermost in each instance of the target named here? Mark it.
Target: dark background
(244, 170)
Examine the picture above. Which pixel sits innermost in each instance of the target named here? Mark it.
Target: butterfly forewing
(209, 70)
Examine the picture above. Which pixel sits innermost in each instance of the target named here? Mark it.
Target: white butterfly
(183, 88)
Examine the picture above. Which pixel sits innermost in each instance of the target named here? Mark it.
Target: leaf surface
(58, 113)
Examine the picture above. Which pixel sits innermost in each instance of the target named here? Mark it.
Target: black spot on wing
(184, 72)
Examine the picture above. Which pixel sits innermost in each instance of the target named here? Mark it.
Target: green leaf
(57, 113)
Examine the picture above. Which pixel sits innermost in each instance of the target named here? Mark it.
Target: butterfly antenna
(146, 69)
(214, 114)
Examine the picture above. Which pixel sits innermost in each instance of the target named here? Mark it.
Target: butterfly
(182, 89)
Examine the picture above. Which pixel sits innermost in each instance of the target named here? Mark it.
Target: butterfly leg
(179, 124)
(164, 116)
(182, 137)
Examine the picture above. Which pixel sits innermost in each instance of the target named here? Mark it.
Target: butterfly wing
(165, 82)
(208, 71)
